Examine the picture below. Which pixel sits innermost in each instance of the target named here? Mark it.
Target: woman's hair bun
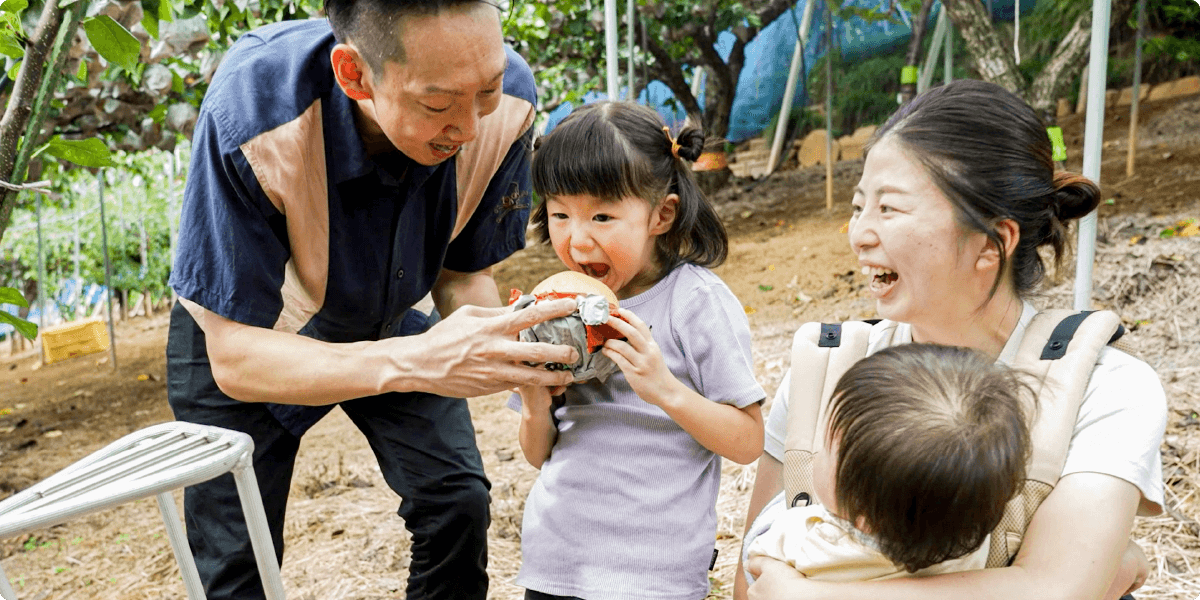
(1074, 196)
(691, 143)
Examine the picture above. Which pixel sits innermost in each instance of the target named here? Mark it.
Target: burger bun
(571, 282)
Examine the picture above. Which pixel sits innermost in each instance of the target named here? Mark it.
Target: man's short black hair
(371, 24)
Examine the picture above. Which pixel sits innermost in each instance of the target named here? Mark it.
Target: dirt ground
(788, 264)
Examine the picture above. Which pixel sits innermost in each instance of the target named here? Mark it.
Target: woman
(957, 195)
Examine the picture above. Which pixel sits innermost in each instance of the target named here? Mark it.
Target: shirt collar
(349, 159)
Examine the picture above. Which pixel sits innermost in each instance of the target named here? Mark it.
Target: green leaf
(91, 152)
(14, 6)
(81, 74)
(164, 11)
(23, 327)
(158, 113)
(176, 83)
(150, 23)
(113, 41)
(9, 45)
(12, 296)
(14, 70)
(762, 287)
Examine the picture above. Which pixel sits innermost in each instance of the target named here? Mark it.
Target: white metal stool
(150, 462)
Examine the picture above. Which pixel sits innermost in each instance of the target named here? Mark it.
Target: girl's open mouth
(595, 270)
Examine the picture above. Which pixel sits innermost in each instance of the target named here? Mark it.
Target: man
(341, 171)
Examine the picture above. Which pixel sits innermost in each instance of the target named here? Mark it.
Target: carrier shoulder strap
(821, 353)
(1059, 352)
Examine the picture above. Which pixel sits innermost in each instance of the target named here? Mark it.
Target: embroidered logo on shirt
(512, 202)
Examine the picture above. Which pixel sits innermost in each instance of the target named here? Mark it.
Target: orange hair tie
(674, 144)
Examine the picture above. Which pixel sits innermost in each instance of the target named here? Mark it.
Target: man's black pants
(426, 450)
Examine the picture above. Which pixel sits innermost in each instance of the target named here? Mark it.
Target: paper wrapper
(585, 330)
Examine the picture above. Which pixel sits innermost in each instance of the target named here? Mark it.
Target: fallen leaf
(143, 377)
(53, 433)
(749, 309)
(5, 411)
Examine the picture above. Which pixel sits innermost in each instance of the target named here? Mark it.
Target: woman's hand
(775, 580)
(641, 360)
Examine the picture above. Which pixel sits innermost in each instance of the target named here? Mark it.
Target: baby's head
(925, 446)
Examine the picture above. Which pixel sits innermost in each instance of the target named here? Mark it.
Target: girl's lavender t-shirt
(624, 508)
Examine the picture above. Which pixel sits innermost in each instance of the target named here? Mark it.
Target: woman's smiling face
(920, 262)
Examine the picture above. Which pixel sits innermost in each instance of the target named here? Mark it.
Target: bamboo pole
(108, 291)
(612, 61)
(829, 108)
(789, 92)
(41, 284)
(1137, 89)
(629, 15)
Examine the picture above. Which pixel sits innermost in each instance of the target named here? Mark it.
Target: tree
(673, 36)
(994, 60)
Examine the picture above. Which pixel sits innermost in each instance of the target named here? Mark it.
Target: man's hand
(475, 351)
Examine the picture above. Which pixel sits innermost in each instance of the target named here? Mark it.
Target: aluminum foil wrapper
(571, 331)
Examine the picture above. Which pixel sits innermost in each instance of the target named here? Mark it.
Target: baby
(925, 445)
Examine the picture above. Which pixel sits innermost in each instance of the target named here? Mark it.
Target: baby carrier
(1059, 350)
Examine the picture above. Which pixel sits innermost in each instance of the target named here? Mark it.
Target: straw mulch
(346, 542)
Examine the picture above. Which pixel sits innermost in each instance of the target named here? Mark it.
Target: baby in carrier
(924, 446)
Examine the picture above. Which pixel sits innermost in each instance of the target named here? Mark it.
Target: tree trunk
(19, 108)
(1063, 67)
(908, 90)
(993, 61)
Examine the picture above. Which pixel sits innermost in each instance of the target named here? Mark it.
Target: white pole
(789, 92)
(935, 50)
(1093, 136)
(629, 15)
(948, 66)
(612, 61)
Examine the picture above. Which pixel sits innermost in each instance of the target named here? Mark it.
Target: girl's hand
(640, 359)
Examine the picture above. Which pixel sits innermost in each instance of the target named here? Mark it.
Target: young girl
(624, 507)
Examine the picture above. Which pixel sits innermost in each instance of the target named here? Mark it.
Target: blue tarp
(768, 57)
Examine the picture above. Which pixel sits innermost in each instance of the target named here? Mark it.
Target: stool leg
(179, 545)
(6, 591)
(260, 533)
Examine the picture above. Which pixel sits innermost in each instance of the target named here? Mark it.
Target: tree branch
(18, 110)
(993, 61)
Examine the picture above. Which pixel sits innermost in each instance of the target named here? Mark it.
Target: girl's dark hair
(932, 444)
(616, 150)
(989, 153)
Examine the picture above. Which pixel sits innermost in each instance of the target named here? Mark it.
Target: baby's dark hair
(616, 150)
(932, 444)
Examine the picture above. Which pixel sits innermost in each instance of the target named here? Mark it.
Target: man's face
(430, 104)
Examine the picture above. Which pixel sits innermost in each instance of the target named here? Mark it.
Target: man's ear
(348, 69)
(663, 215)
(1010, 234)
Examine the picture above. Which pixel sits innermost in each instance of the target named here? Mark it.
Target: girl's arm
(731, 432)
(538, 432)
(768, 482)
(1072, 550)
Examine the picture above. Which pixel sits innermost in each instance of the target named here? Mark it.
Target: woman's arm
(1072, 550)
(732, 432)
(768, 482)
(538, 431)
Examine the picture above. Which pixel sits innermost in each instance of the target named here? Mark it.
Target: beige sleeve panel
(479, 160)
(289, 162)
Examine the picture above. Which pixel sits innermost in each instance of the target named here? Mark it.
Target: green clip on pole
(1057, 144)
(908, 74)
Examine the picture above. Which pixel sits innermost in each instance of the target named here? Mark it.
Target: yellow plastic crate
(76, 338)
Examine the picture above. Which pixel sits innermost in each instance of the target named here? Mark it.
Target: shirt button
(400, 274)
